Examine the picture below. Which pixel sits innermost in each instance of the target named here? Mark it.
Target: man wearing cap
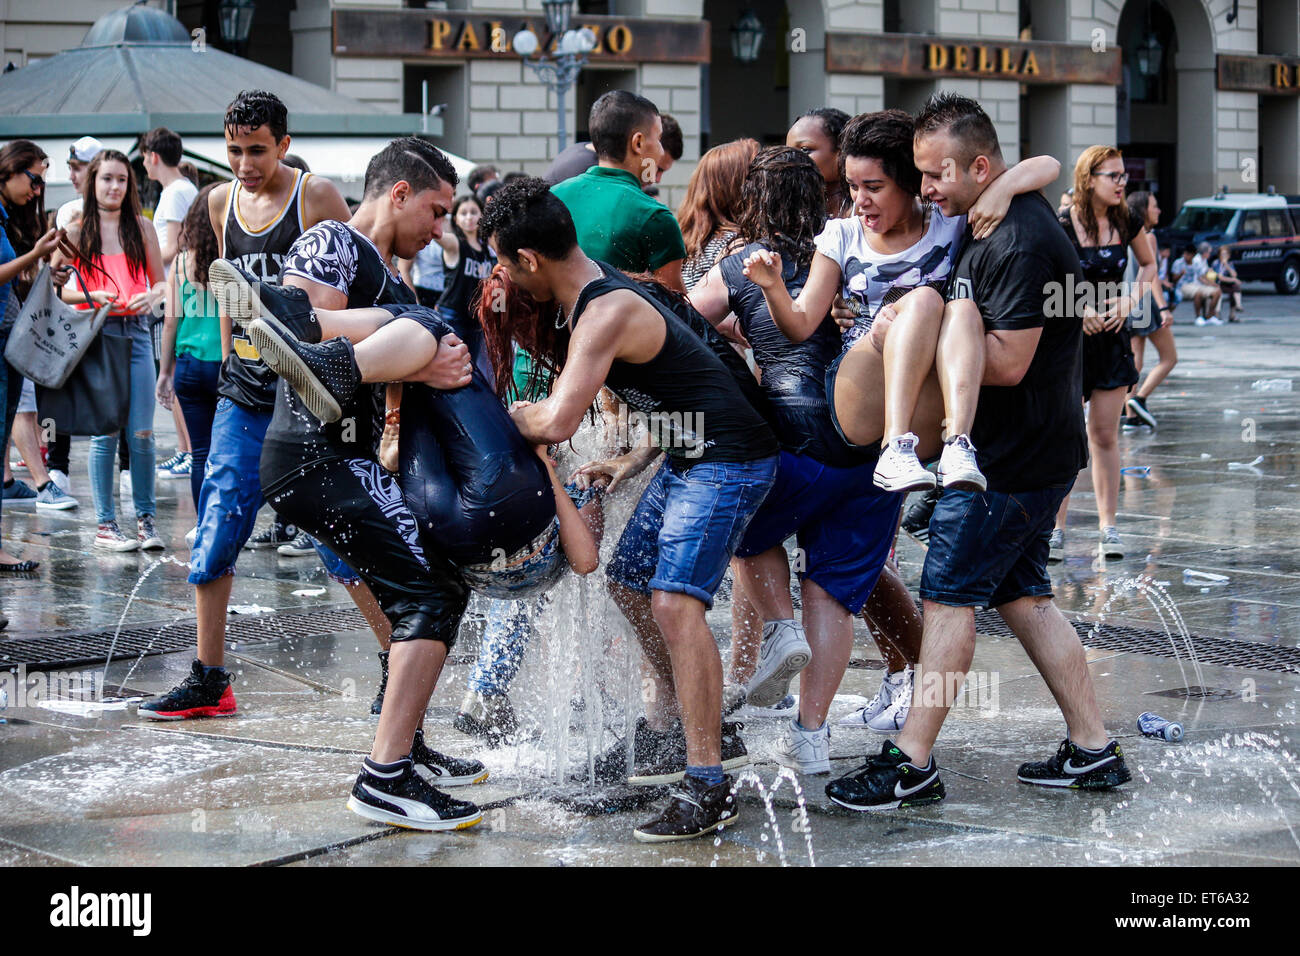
(79, 156)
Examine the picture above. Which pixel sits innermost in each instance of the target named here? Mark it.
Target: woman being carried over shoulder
(906, 367)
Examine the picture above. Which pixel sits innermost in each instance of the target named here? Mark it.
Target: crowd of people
(823, 327)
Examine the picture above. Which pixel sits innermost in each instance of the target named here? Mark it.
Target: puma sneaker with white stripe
(443, 771)
(1074, 768)
(395, 795)
(887, 782)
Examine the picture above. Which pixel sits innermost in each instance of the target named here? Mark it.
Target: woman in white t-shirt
(905, 366)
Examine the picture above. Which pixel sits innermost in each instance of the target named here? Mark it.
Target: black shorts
(357, 510)
(1108, 361)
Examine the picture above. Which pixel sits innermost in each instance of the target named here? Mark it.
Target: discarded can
(1153, 725)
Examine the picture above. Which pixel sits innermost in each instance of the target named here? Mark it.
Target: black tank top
(245, 379)
(695, 406)
(462, 282)
(1099, 263)
(794, 373)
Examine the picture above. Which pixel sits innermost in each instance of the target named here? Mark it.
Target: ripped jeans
(103, 448)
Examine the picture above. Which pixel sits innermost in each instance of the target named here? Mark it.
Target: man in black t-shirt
(990, 548)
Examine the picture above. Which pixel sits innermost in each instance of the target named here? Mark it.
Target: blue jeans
(195, 382)
(989, 548)
(103, 448)
(688, 524)
(505, 638)
(11, 387)
(231, 492)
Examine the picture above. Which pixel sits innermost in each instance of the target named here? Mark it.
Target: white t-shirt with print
(867, 275)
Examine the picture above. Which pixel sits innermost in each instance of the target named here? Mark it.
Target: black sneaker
(243, 297)
(650, 746)
(1074, 768)
(443, 771)
(667, 763)
(377, 705)
(694, 809)
(886, 782)
(1137, 408)
(196, 696)
(490, 717)
(916, 521)
(325, 376)
(277, 534)
(399, 797)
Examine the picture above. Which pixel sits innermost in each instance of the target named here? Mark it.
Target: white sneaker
(61, 479)
(898, 468)
(807, 751)
(1200, 320)
(887, 711)
(784, 654)
(783, 709)
(1215, 320)
(958, 467)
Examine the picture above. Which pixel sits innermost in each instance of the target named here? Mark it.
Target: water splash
(750, 778)
(1171, 619)
(165, 559)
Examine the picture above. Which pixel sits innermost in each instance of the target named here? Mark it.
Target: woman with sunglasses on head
(118, 250)
(1103, 234)
(22, 226)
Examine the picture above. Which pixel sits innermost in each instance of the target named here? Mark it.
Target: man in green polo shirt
(617, 222)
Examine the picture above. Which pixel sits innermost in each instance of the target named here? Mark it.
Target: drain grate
(1145, 640)
(1197, 692)
(162, 637)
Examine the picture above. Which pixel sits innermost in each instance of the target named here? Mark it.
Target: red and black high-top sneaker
(200, 694)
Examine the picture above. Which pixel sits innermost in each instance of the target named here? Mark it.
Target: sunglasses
(1119, 179)
(38, 182)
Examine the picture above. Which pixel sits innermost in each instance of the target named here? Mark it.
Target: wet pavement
(268, 786)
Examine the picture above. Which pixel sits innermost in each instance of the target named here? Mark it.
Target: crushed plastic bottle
(1271, 385)
(1193, 577)
(1246, 465)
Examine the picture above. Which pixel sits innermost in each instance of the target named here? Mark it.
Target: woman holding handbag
(118, 251)
(22, 223)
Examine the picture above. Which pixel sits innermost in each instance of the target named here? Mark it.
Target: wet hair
(197, 237)
(479, 175)
(455, 208)
(1137, 207)
(26, 223)
(254, 108)
(784, 203)
(526, 215)
(408, 159)
(615, 116)
(887, 137)
(671, 140)
(833, 122)
(965, 121)
(163, 142)
(713, 196)
(509, 315)
(1118, 216)
(90, 244)
(296, 161)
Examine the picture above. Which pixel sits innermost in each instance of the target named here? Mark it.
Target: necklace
(562, 321)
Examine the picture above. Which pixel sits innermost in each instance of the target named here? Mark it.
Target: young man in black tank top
(722, 461)
(256, 220)
(989, 548)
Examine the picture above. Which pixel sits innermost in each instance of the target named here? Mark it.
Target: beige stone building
(1199, 94)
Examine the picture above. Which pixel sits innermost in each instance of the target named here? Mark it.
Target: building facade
(1200, 94)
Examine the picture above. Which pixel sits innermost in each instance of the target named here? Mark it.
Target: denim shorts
(336, 569)
(845, 525)
(688, 524)
(231, 493)
(989, 548)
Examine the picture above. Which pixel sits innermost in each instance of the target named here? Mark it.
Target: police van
(1261, 229)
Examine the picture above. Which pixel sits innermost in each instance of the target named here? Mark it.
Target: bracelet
(392, 416)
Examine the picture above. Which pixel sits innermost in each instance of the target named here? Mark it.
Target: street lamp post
(236, 19)
(560, 71)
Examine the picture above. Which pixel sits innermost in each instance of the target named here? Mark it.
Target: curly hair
(783, 203)
(887, 137)
(197, 237)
